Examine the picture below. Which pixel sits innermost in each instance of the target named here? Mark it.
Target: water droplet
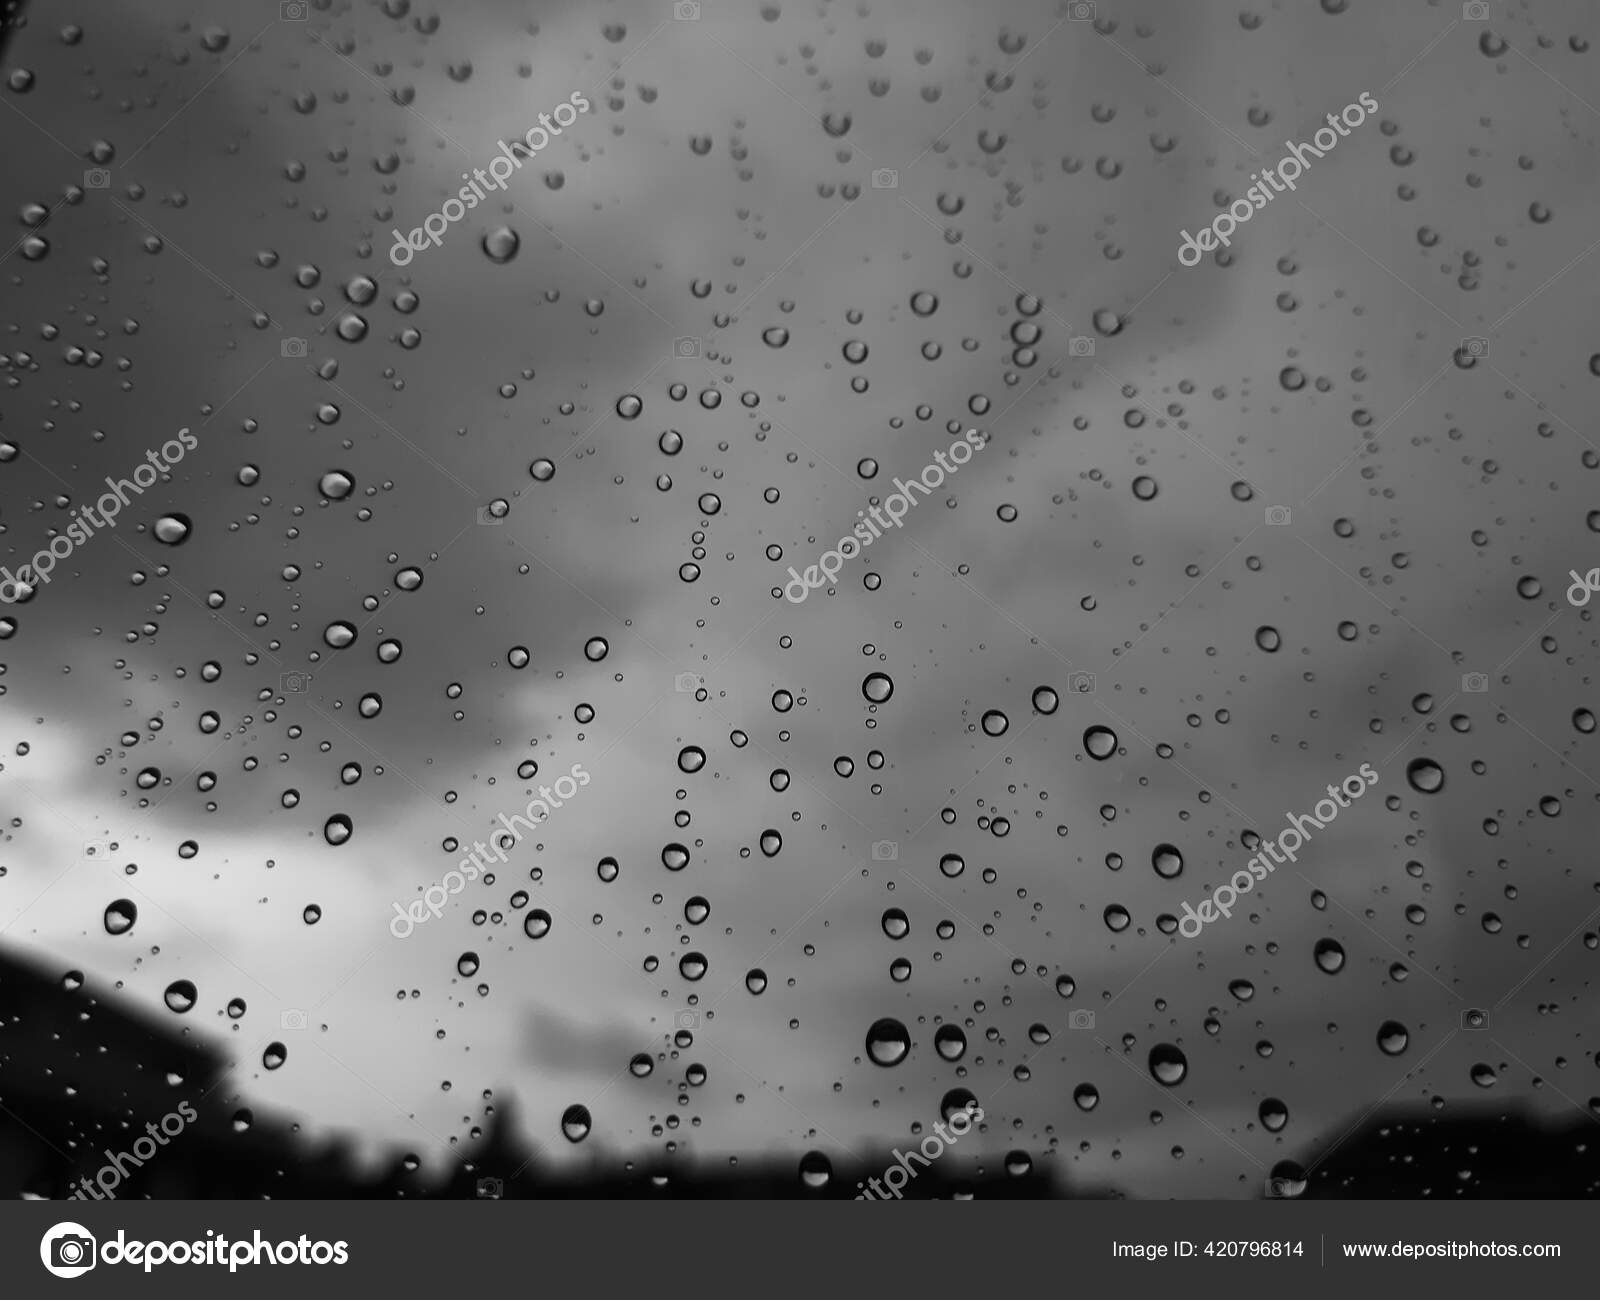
(1168, 1065)
(181, 996)
(173, 529)
(501, 244)
(1100, 742)
(815, 1170)
(576, 1123)
(888, 1042)
(1425, 776)
(120, 916)
(877, 687)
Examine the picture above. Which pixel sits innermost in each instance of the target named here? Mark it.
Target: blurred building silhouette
(81, 1075)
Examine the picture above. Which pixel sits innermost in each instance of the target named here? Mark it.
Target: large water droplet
(1168, 1065)
(1425, 776)
(501, 244)
(576, 1123)
(181, 996)
(1100, 742)
(1393, 1038)
(877, 687)
(173, 529)
(888, 1042)
(120, 916)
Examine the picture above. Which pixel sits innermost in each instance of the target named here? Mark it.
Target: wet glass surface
(467, 711)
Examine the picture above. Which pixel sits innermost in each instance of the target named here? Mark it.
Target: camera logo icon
(686, 1020)
(1474, 1018)
(1080, 683)
(68, 1250)
(1081, 1019)
(1282, 1189)
(293, 11)
(1080, 346)
(492, 515)
(1080, 11)
(1278, 516)
(293, 1018)
(686, 348)
(292, 348)
(1474, 347)
(97, 178)
(490, 1189)
(1475, 683)
(686, 11)
(885, 178)
(295, 682)
(885, 851)
(1475, 11)
(688, 683)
